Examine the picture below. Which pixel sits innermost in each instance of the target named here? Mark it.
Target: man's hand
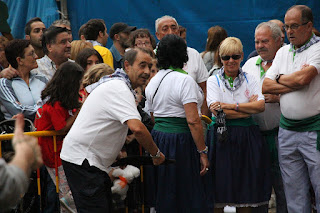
(27, 145)
(270, 98)
(9, 73)
(130, 138)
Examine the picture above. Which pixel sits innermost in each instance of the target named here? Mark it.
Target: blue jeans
(51, 199)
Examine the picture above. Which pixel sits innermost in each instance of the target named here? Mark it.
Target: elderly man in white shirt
(100, 130)
(294, 75)
(267, 43)
(195, 66)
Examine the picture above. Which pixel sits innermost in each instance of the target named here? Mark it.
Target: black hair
(16, 49)
(92, 28)
(81, 30)
(64, 86)
(27, 28)
(172, 51)
(50, 35)
(84, 54)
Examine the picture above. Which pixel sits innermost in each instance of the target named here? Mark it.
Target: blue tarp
(21, 11)
(239, 18)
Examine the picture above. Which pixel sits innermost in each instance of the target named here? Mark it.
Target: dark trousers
(90, 187)
(51, 198)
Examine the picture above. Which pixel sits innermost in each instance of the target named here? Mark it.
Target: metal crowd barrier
(53, 134)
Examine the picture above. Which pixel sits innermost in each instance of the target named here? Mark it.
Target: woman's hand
(253, 98)
(204, 164)
(159, 160)
(215, 106)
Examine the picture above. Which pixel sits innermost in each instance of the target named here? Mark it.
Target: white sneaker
(229, 209)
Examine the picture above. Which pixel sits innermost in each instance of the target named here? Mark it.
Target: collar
(262, 61)
(259, 61)
(31, 76)
(115, 53)
(119, 74)
(95, 43)
(313, 39)
(178, 70)
(45, 59)
(237, 82)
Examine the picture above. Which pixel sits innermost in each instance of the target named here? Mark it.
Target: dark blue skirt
(179, 185)
(241, 167)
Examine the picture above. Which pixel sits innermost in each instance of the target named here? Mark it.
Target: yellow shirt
(105, 54)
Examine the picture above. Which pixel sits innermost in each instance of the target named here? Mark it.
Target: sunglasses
(227, 57)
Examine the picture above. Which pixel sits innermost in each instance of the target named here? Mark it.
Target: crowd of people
(139, 93)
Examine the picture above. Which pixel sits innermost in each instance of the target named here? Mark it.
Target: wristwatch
(157, 154)
(278, 77)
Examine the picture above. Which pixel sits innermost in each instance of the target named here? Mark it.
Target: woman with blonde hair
(93, 75)
(77, 46)
(216, 35)
(95, 72)
(240, 157)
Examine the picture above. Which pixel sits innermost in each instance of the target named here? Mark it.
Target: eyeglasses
(293, 26)
(32, 54)
(227, 57)
(142, 44)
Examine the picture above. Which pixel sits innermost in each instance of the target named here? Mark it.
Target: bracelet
(237, 107)
(205, 151)
(157, 155)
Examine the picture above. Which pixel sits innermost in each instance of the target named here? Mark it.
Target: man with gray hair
(267, 43)
(63, 23)
(195, 66)
(280, 24)
(100, 130)
(294, 75)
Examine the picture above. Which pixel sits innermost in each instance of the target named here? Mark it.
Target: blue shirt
(117, 58)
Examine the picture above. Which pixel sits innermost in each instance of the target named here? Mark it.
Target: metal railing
(51, 133)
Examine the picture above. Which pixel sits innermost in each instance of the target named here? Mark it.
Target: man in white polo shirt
(100, 130)
(267, 42)
(294, 75)
(195, 66)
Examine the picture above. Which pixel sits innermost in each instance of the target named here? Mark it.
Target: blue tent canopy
(239, 18)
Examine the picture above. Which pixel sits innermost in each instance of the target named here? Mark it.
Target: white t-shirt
(176, 90)
(99, 131)
(270, 118)
(303, 103)
(195, 66)
(217, 91)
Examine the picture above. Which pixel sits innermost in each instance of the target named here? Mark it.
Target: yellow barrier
(35, 134)
(38, 134)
